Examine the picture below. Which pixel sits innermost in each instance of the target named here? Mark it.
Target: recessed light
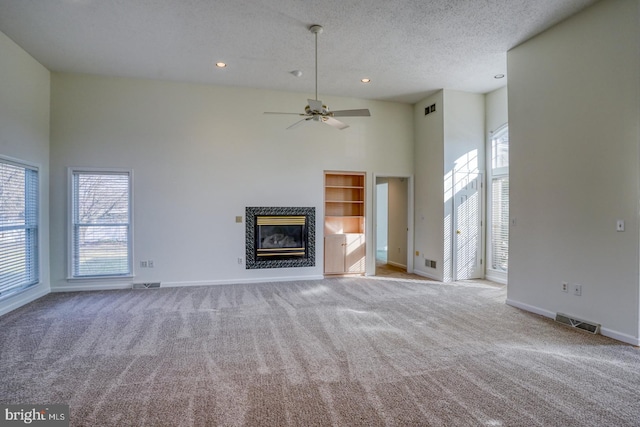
(499, 76)
(365, 80)
(221, 64)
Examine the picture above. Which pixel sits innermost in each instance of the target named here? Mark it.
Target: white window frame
(70, 222)
(37, 251)
(493, 173)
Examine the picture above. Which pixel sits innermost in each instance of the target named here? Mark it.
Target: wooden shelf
(344, 222)
(344, 201)
(344, 179)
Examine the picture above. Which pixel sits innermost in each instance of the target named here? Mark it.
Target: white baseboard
(23, 298)
(620, 337)
(95, 286)
(531, 308)
(604, 331)
(396, 264)
(238, 281)
(427, 275)
(496, 277)
(92, 287)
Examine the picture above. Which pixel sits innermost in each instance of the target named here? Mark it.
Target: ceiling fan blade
(351, 113)
(300, 123)
(274, 112)
(315, 105)
(335, 123)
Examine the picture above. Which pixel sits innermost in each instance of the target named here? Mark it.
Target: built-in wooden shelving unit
(344, 222)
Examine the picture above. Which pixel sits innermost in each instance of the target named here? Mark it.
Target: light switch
(620, 225)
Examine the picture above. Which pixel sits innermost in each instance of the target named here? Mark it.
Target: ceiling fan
(318, 112)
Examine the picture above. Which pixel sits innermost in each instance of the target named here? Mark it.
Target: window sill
(98, 278)
(16, 291)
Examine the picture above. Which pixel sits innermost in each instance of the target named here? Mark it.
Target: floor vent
(147, 285)
(592, 328)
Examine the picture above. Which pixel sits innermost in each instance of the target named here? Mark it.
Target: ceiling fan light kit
(315, 110)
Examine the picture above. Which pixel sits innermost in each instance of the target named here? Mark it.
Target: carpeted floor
(345, 351)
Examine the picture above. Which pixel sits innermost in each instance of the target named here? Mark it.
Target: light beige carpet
(345, 351)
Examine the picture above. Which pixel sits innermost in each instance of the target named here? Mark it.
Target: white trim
(93, 287)
(98, 278)
(129, 285)
(240, 281)
(396, 264)
(410, 220)
(619, 336)
(37, 167)
(22, 298)
(69, 216)
(488, 211)
(496, 276)
(21, 163)
(427, 275)
(531, 308)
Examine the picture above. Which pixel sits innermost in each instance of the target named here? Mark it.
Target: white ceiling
(409, 48)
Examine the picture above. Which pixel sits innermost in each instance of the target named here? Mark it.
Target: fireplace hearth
(280, 237)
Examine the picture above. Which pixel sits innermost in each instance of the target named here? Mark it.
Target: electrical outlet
(150, 263)
(143, 264)
(577, 290)
(239, 260)
(565, 287)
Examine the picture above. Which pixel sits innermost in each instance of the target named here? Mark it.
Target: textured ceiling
(409, 48)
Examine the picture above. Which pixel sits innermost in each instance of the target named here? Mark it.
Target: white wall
(398, 214)
(428, 188)
(444, 140)
(200, 155)
(463, 153)
(497, 111)
(382, 214)
(24, 135)
(574, 121)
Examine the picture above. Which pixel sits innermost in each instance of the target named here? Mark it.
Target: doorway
(393, 242)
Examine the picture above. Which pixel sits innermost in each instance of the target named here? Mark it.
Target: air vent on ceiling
(584, 325)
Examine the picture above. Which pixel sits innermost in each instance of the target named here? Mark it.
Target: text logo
(34, 415)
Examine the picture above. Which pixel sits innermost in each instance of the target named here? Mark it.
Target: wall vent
(584, 325)
(146, 285)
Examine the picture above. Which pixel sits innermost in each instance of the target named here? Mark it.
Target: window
(100, 223)
(19, 205)
(499, 250)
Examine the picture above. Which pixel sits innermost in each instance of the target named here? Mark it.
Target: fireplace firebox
(279, 237)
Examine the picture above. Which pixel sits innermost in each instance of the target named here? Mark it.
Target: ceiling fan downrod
(316, 29)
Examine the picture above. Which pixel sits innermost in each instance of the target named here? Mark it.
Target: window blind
(19, 264)
(499, 237)
(500, 223)
(101, 234)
